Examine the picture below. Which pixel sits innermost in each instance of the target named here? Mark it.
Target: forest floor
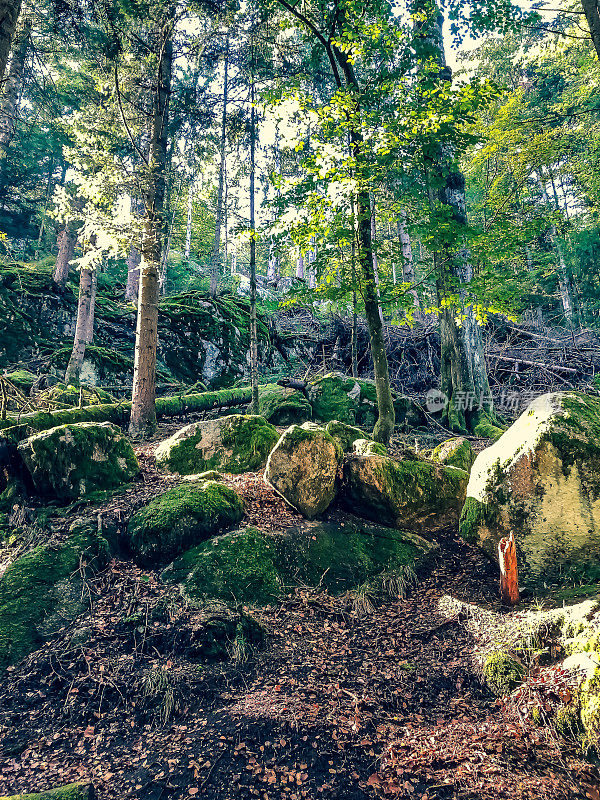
(337, 704)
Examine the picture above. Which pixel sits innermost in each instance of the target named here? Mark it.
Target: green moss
(253, 566)
(74, 791)
(21, 378)
(235, 443)
(345, 434)
(566, 722)
(62, 396)
(487, 430)
(181, 518)
(472, 516)
(335, 397)
(71, 460)
(364, 447)
(502, 673)
(455, 453)
(590, 709)
(281, 405)
(34, 587)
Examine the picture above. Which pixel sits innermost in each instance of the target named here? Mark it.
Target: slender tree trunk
(143, 410)
(89, 328)
(592, 15)
(374, 244)
(66, 251)
(564, 287)
(300, 265)
(216, 255)
(9, 14)
(408, 267)
(253, 316)
(85, 310)
(188, 224)
(12, 88)
(133, 274)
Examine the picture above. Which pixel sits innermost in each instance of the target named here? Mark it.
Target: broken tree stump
(509, 575)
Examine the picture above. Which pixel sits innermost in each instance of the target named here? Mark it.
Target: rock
(219, 633)
(235, 443)
(43, 590)
(282, 405)
(502, 672)
(409, 494)
(354, 401)
(23, 379)
(74, 791)
(73, 460)
(181, 518)
(366, 447)
(541, 480)
(303, 467)
(455, 453)
(584, 664)
(345, 434)
(254, 566)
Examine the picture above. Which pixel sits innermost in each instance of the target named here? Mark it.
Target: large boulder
(541, 480)
(282, 405)
(43, 590)
(354, 402)
(303, 468)
(181, 518)
(73, 460)
(236, 443)
(253, 566)
(415, 495)
(345, 434)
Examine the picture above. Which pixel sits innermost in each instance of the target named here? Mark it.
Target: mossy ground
(73, 791)
(502, 672)
(181, 518)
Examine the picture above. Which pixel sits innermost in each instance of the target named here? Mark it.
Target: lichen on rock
(181, 518)
(235, 443)
(69, 461)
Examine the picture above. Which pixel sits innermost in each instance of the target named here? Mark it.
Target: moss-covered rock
(181, 518)
(502, 672)
(74, 791)
(282, 405)
(73, 460)
(303, 467)
(541, 480)
(590, 709)
(345, 434)
(417, 495)
(42, 590)
(455, 453)
(62, 396)
(23, 379)
(366, 447)
(253, 566)
(236, 443)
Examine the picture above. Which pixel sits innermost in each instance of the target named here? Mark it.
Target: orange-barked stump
(509, 575)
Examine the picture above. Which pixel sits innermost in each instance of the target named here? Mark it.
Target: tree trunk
(133, 274)
(85, 310)
(564, 288)
(143, 409)
(66, 251)
(89, 328)
(9, 14)
(592, 15)
(253, 318)
(300, 265)
(374, 245)
(216, 255)
(509, 575)
(408, 268)
(12, 88)
(188, 224)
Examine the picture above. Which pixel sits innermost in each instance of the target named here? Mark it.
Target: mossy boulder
(345, 434)
(282, 405)
(62, 396)
(250, 565)
(74, 791)
(219, 633)
(235, 443)
(502, 672)
(303, 468)
(541, 480)
(455, 453)
(69, 461)
(590, 709)
(23, 379)
(354, 401)
(417, 495)
(42, 590)
(181, 518)
(367, 447)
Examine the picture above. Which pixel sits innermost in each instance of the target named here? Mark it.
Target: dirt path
(335, 706)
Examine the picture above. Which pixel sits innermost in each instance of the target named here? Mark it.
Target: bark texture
(9, 14)
(85, 314)
(12, 88)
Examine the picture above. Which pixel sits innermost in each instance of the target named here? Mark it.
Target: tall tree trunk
(592, 15)
(253, 316)
(91, 317)
(12, 88)
(66, 251)
(463, 370)
(408, 267)
(300, 265)
(564, 287)
(133, 274)
(188, 224)
(143, 410)
(85, 311)
(9, 14)
(216, 255)
(374, 245)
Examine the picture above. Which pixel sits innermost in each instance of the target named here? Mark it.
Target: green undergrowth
(73, 791)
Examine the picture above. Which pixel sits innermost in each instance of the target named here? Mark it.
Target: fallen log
(555, 367)
(19, 427)
(74, 791)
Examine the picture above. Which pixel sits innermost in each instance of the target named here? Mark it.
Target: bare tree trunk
(85, 309)
(143, 409)
(89, 328)
(374, 241)
(562, 272)
(408, 268)
(300, 265)
(133, 274)
(188, 224)
(253, 316)
(9, 14)
(66, 251)
(592, 15)
(12, 87)
(216, 256)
